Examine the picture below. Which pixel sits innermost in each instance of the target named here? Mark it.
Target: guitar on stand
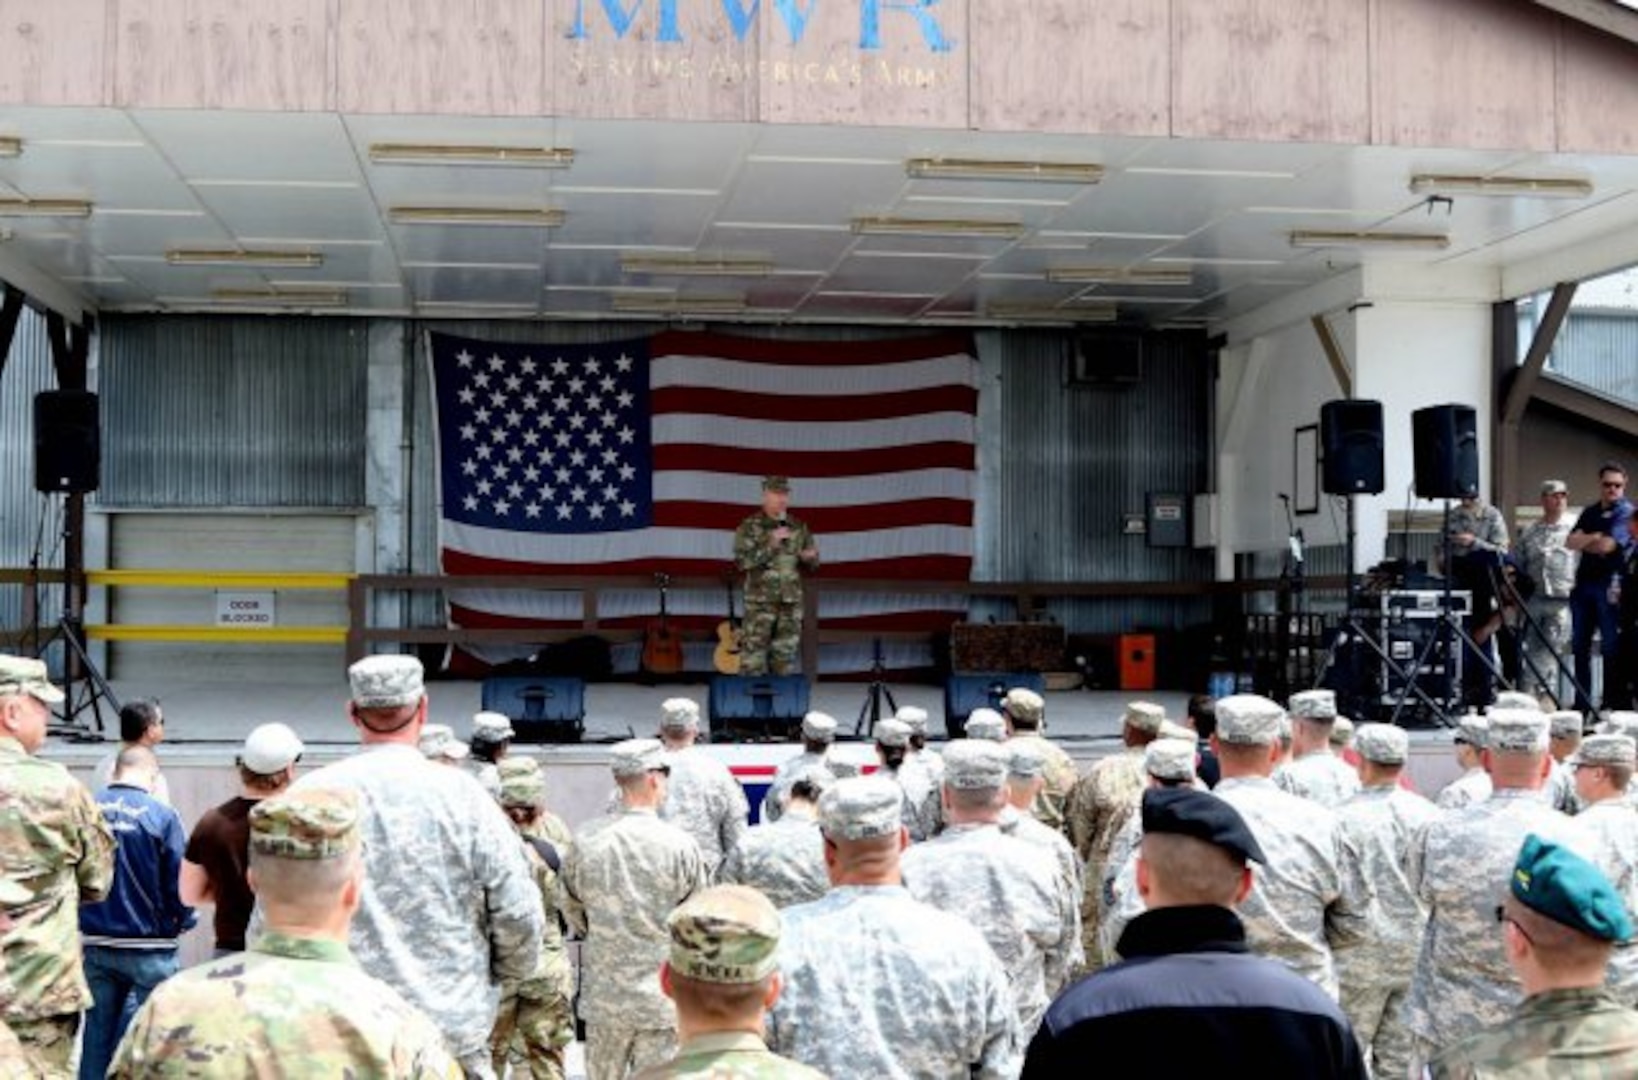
(726, 657)
(662, 642)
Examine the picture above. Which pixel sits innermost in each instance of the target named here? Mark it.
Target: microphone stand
(1293, 579)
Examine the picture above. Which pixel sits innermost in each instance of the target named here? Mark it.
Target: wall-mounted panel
(225, 54)
(475, 57)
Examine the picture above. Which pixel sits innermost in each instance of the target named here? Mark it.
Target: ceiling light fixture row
(45, 208)
(523, 216)
(1368, 238)
(287, 260)
(1117, 275)
(10, 146)
(891, 225)
(696, 265)
(1552, 187)
(285, 297)
(638, 303)
(1035, 172)
(532, 157)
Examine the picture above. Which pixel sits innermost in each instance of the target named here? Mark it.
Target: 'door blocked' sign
(245, 609)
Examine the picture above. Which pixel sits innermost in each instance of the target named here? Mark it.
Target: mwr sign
(245, 609)
(794, 14)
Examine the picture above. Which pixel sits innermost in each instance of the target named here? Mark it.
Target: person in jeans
(1600, 535)
(130, 938)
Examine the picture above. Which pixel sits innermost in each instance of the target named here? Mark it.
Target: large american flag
(641, 456)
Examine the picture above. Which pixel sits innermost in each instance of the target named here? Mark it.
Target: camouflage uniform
(923, 813)
(622, 878)
(534, 1021)
(773, 803)
(1559, 790)
(1061, 776)
(785, 860)
(1320, 776)
(1467, 789)
(1551, 566)
(772, 631)
(53, 843)
(1021, 826)
(1581, 1033)
(1381, 824)
(1100, 804)
(1613, 826)
(705, 801)
(1484, 522)
(1015, 896)
(728, 1055)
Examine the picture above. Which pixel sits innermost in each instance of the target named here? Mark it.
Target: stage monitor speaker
(67, 441)
(982, 690)
(1446, 450)
(756, 708)
(1351, 442)
(543, 709)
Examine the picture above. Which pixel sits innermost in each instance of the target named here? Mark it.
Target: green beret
(1555, 882)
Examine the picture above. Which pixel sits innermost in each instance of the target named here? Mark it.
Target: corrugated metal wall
(233, 411)
(27, 518)
(1599, 350)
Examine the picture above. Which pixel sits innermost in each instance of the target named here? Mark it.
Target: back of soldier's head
(1192, 871)
(304, 851)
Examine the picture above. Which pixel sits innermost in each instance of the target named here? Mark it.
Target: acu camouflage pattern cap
(22, 675)
(637, 757)
(306, 824)
(1384, 744)
(679, 714)
(1342, 731)
(1605, 750)
(1515, 699)
(1317, 705)
(1024, 758)
(891, 732)
(492, 727)
(1554, 881)
(387, 682)
(1554, 487)
(986, 724)
(1170, 759)
(1517, 731)
(439, 741)
(1024, 704)
(1621, 722)
(725, 934)
(1144, 716)
(1564, 724)
(974, 765)
(912, 717)
(861, 808)
(1249, 720)
(1474, 730)
(522, 784)
(818, 726)
(1170, 730)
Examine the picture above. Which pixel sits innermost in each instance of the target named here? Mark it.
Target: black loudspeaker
(1446, 441)
(982, 690)
(542, 709)
(1351, 438)
(67, 441)
(756, 708)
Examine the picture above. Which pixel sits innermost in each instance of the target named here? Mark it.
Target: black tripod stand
(84, 688)
(871, 707)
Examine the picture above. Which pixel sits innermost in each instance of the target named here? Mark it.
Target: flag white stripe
(812, 435)
(835, 549)
(744, 490)
(823, 380)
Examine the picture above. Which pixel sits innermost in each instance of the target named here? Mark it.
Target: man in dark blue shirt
(1601, 536)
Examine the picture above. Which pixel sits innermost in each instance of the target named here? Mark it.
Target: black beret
(1187, 812)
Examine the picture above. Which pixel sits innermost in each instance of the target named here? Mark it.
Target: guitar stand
(871, 707)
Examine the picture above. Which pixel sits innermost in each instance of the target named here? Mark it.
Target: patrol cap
(892, 732)
(1023, 704)
(1384, 744)
(818, 726)
(13, 893)
(1474, 730)
(986, 724)
(1554, 487)
(1605, 750)
(521, 781)
(269, 749)
(1170, 759)
(1515, 699)
(311, 823)
(725, 934)
(439, 741)
(1024, 757)
(975, 765)
(776, 483)
(1564, 724)
(637, 757)
(1317, 705)
(1187, 812)
(1144, 716)
(1248, 720)
(23, 675)
(1171, 730)
(492, 727)
(1621, 722)
(861, 808)
(679, 714)
(1517, 731)
(387, 682)
(1342, 731)
(1554, 881)
(914, 717)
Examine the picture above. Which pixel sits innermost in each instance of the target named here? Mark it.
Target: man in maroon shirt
(213, 870)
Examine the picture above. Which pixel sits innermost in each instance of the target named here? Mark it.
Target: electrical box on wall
(1168, 521)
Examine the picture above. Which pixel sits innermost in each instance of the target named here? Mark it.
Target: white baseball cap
(270, 748)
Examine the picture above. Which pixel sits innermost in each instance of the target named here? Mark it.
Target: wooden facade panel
(868, 64)
(462, 57)
(1597, 93)
(53, 54)
(223, 54)
(1271, 69)
(1463, 73)
(1060, 71)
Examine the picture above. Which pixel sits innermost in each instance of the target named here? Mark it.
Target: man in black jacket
(1191, 1000)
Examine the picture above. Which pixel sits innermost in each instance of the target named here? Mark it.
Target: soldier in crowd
(297, 1000)
(1560, 920)
(623, 876)
(785, 859)
(1025, 779)
(23, 1062)
(491, 741)
(141, 723)
(1202, 718)
(914, 717)
(1315, 772)
(1168, 763)
(1550, 566)
(877, 983)
(1602, 768)
(723, 975)
(1462, 981)
(773, 550)
(1381, 824)
(1477, 537)
(1013, 893)
(1025, 713)
(1310, 899)
(921, 802)
(54, 844)
(1191, 998)
(987, 724)
(1564, 729)
(534, 1021)
(1473, 786)
(818, 735)
(1342, 737)
(218, 852)
(702, 797)
(439, 744)
(448, 905)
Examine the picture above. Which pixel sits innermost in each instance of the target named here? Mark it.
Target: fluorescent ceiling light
(535, 157)
(697, 265)
(1116, 275)
(45, 208)
(1368, 238)
(1558, 187)
(527, 217)
(665, 304)
(10, 146)
(281, 297)
(280, 259)
(1041, 172)
(1057, 313)
(884, 225)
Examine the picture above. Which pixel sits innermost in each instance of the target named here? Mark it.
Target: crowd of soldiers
(413, 900)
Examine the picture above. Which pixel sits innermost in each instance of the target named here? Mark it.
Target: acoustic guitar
(726, 657)
(662, 642)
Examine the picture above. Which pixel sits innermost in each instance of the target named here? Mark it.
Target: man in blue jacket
(130, 938)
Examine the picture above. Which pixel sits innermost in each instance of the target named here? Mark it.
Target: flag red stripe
(823, 520)
(692, 457)
(910, 567)
(810, 353)
(901, 404)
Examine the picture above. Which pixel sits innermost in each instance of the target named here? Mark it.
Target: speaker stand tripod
(84, 688)
(871, 708)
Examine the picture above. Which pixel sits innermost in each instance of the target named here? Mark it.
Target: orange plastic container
(1137, 661)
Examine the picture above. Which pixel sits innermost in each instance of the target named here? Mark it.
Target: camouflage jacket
(291, 1002)
(728, 1055)
(785, 859)
(1021, 826)
(54, 843)
(1471, 787)
(880, 985)
(773, 571)
(551, 829)
(622, 878)
(1485, 524)
(705, 801)
(1101, 802)
(1546, 560)
(1320, 776)
(1061, 775)
(1613, 826)
(773, 803)
(1380, 826)
(923, 815)
(1580, 1034)
(1559, 791)
(1016, 897)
